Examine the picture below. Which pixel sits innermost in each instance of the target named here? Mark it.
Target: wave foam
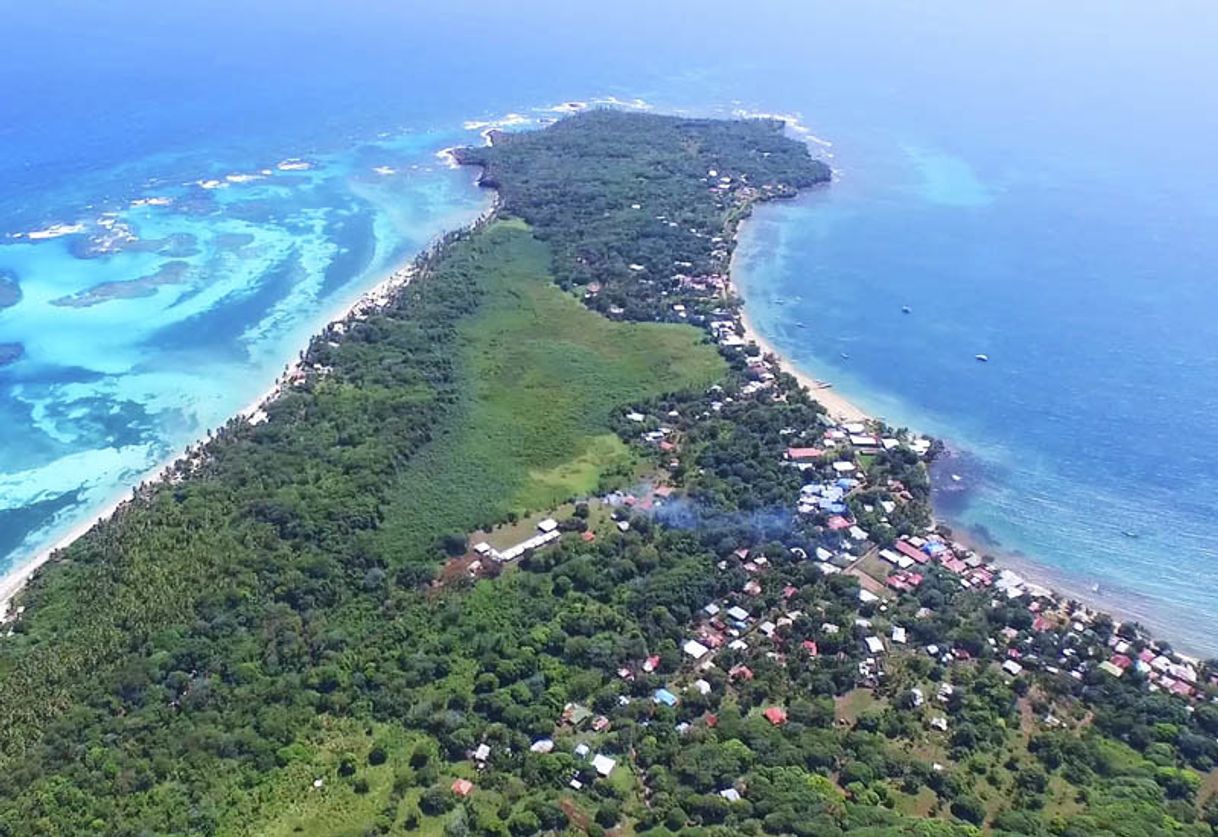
(53, 231)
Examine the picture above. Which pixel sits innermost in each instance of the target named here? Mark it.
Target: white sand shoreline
(838, 405)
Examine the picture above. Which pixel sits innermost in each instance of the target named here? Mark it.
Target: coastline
(838, 405)
(378, 296)
(1117, 604)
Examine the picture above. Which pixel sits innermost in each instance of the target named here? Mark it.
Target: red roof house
(776, 715)
(907, 549)
(463, 787)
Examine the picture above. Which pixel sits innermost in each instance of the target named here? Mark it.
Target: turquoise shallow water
(180, 301)
(1033, 180)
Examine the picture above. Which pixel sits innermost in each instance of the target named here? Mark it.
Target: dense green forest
(294, 633)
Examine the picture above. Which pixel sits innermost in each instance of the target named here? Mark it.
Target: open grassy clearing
(542, 377)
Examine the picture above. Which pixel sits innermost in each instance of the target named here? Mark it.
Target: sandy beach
(838, 405)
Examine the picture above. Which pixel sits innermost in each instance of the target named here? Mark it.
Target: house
(482, 753)
(665, 697)
(651, 663)
(542, 745)
(582, 751)
(908, 550)
(1013, 668)
(730, 794)
(803, 454)
(1110, 668)
(547, 525)
(939, 723)
(741, 672)
(874, 645)
(898, 634)
(738, 613)
(1181, 688)
(776, 715)
(463, 787)
(600, 723)
(576, 715)
(603, 765)
(588, 537)
(695, 649)
(702, 686)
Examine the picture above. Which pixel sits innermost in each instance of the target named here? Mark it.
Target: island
(538, 539)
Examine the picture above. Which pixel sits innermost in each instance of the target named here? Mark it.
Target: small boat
(1129, 534)
(1095, 588)
(905, 309)
(956, 478)
(845, 356)
(982, 358)
(801, 324)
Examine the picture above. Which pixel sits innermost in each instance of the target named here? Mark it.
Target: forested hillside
(317, 626)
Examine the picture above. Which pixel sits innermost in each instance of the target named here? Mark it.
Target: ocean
(208, 183)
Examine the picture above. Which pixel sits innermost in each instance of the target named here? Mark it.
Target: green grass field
(542, 376)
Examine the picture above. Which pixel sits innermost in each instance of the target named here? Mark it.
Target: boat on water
(845, 356)
(905, 309)
(982, 358)
(801, 324)
(956, 478)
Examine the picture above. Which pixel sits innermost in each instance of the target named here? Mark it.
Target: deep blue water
(1034, 181)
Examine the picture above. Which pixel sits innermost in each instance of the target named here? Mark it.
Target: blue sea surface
(1034, 181)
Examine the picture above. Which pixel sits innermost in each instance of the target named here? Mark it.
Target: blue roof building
(665, 697)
